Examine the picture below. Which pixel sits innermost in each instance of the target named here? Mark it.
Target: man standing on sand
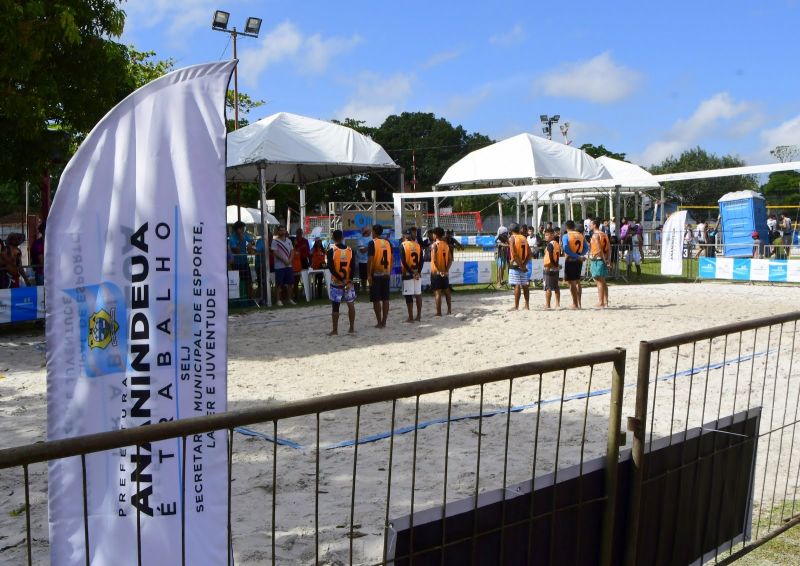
(600, 255)
(441, 260)
(519, 254)
(575, 246)
(552, 255)
(284, 275)
(379, 271)
(340, 264)
(411, 261)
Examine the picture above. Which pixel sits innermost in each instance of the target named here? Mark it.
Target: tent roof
(299, 150)
(523, 157)
(626, 172)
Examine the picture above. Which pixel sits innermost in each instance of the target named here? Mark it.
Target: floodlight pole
(235, 34)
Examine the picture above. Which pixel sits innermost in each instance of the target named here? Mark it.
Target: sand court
(284, 355)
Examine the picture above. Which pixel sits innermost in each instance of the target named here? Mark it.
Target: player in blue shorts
(340, 264)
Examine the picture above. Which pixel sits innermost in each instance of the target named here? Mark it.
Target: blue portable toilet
(743, 213)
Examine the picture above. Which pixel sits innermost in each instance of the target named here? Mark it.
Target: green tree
(703, 191)
(246, 104)
(783, 187)
(144, 67)
(600, 150)
(59, 74)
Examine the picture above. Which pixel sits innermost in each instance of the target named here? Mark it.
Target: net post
(637, 452)
(612, 458)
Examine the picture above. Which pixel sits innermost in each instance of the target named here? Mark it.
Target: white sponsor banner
(233, 285)
(792, 271)
(759, 270)
(456, 273)
(136, 326)
(537, 270)
(724, 268)
(672, 244)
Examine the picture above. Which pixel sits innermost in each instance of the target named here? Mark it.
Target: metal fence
(689, 380)
(333, 472)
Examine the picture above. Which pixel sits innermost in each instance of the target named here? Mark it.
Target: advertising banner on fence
(21, 304)
(672, 244)
(745, 269)
(136, 326)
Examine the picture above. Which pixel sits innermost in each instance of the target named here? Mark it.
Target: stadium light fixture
(220, 21)
(252, 27)
(548, 122)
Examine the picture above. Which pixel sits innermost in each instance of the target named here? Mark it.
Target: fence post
(612, 458)
(638, 426)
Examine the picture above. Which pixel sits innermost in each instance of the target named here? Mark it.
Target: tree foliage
(783, 187)
(785, 153)
(600, 150)
(703, 191)
(60, 73)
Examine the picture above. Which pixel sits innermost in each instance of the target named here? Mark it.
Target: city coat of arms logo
(103, 328)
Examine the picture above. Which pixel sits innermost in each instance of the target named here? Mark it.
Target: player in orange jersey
(411, 261)
(600, 257)
(441, 261)
(340, 264)
(379, 273)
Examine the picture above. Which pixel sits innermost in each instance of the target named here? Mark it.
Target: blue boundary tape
(516, 409)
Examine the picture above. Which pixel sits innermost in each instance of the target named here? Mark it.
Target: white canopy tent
(290, 149)
(526, 158)
(628, 178)
(523, 158)
(595, 185)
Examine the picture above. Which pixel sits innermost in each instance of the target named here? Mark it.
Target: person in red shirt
(301, 259)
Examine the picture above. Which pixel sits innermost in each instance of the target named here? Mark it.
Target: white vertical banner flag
(672, 244)
(136, 326)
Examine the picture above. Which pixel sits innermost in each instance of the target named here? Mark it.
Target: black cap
(407, 232)
(513, 227)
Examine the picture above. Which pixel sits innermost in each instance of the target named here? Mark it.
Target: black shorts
(380, 288)
(440, 282)
(572, 270)
(244, 273)
(550, 280)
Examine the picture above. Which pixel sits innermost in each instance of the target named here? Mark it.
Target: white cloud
(442, 57)
(180, 18)
(285, 42)
(377, 97)
(459, 105)
(513, 36)
(704, 121)
(787, 133)
(279, 44)
(598, 79)
(320, 51)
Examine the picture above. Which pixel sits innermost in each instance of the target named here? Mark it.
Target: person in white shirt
(772, 223)
(612, 227)
(284, 276)
(701, 236)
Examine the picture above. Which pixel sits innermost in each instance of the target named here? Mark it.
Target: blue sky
(646, 78)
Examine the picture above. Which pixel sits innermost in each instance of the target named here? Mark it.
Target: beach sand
(284, 355)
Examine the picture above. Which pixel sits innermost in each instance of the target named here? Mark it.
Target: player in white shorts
(411, 260)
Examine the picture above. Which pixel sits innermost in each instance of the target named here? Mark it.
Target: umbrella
(249, 216)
